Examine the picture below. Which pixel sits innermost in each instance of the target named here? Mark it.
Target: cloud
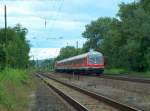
(43, 53)
(65, 18)
(69, 25)
(32, 22)
(72, 42)
(13, 10)
(58, 43)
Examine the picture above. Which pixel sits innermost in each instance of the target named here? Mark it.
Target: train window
(80, 61)
(94, 59)
(74, 62)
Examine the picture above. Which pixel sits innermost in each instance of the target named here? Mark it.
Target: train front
(95, 62)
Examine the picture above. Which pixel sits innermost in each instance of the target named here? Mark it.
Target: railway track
(122, 78)
(46, 99)
(84, 100)
(131, 79)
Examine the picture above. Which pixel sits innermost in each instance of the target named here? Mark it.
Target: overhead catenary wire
(57, 15)
(53, 16)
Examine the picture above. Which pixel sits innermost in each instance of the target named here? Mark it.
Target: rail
(104, 99)
(131, 79)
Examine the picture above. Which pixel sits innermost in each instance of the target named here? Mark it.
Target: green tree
(125, 42)
(15, 50)
(68, 51)
(95, 32)
(135, 28)
(2, 57)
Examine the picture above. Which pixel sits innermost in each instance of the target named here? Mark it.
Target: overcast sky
(53, 24)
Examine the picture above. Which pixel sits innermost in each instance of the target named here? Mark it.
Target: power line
(57, 14)
(53, 8)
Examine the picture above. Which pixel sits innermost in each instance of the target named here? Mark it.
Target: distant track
(77, 105)
(123, 78)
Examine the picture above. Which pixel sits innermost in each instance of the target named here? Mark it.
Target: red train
(91, 63)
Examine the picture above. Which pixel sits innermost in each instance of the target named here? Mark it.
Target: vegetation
(14, 58)
(46, 65)
(68, 51)
(14, 49)
(123, 72)
(13, 90)
(125, 40)
(116, 71)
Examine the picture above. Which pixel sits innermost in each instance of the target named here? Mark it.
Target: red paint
(96, 65)
(86, 60)
(85, 64)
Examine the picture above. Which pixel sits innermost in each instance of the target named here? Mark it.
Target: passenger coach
(91, 62)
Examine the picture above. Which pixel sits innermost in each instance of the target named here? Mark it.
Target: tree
(145, 5)
(95, 32)
(125, 42)
(135, 28)
(2, 57)
(68, 51)
(15, 50)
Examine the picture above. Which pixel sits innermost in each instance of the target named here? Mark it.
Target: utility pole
(45, 23)
(77, 47)
(134, 2)
(37, 63)
(5, 17)
(77, 54)
(34, 62)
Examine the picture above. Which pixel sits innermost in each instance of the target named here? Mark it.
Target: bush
(115, 71)
(13, 85)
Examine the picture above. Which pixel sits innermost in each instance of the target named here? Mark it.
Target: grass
(122, 72)
(13, 90)
(45, 69)
(115, 71)
(140, 74)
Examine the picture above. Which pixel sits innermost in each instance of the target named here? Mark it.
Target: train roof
(79, 56)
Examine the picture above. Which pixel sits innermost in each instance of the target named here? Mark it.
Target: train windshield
(95, 58)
